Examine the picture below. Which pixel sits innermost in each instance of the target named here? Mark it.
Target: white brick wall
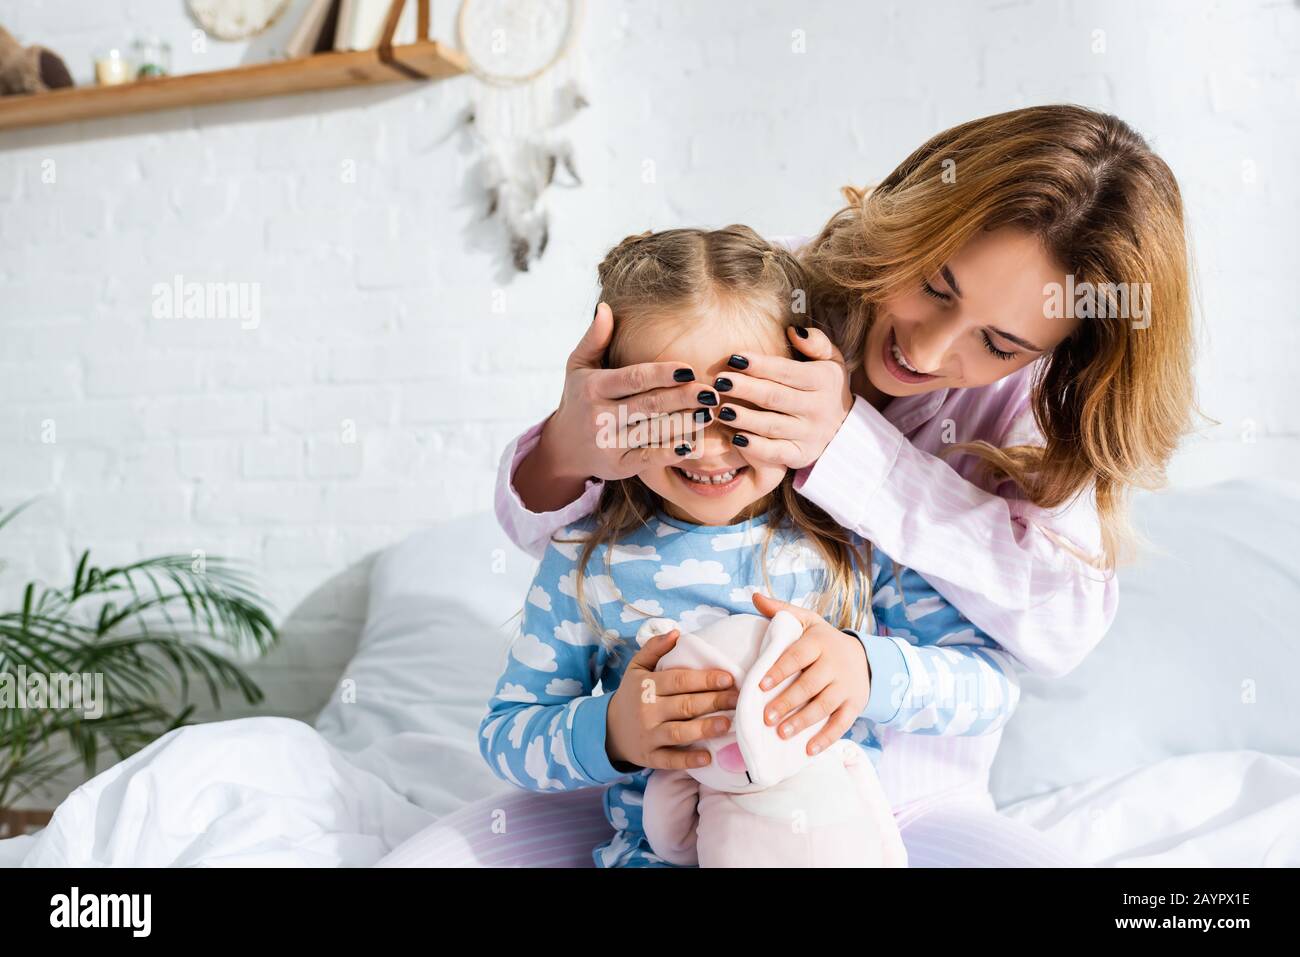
(377, 319)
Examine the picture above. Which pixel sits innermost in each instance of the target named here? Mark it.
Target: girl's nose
(715, 440)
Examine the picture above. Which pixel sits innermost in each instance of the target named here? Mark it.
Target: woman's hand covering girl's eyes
(594, 395)
(800, 405)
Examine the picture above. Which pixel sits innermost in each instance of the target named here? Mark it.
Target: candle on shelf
(112, 68)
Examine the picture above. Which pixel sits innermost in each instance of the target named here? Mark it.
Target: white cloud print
(520, 723)
(641, 608)
(966, 636)
(535, 765)
(514, 692)
(574, 633)
(529, 650)
(569, 549)
(540, 597)
(633, 553)
(730, 541)
(745, 594)
(924, 606)
(887, 596)
(794, 557)
(595, 588)
(564, 687)
(691, 572)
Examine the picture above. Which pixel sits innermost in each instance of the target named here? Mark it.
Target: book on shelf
(361, 24)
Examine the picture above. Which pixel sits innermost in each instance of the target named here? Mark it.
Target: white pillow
(441, 615)
(1203, 654)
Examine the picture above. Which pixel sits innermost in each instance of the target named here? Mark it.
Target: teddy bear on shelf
(32, 69)
(762, 801)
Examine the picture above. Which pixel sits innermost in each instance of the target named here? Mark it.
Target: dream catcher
(523, 54)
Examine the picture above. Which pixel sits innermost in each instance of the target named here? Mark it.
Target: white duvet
(252, 792)
(272, 791)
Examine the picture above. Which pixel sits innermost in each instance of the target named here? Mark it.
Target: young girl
(701, 539)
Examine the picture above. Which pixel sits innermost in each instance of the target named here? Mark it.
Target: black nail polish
(702, 416)
(722, 384)
(738, 362)
(683, 375)
(801, 332)
(683, 450)
(727, 414)
(739, 439)
(707, 398)
(596, 310)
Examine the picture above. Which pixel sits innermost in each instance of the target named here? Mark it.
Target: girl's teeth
(722, 479)
(898, 357)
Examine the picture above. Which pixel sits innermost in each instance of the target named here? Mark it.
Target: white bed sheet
(1215, 809)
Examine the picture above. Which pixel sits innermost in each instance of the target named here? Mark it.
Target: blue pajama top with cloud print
(545, 727)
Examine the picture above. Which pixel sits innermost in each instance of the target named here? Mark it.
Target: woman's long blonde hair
(1113, 400)
(682, 276)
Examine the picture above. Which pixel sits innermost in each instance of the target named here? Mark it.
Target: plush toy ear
(769, 758)
(652, 628)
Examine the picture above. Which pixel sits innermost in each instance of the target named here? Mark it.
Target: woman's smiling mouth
(897, 364)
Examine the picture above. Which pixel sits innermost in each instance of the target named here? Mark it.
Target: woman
(1002, 351)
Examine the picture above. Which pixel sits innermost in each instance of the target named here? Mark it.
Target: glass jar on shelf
(153, 57)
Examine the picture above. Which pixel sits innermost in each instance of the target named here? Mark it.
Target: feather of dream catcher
(523, 54)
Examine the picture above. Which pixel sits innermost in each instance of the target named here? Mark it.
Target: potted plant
(106, 663)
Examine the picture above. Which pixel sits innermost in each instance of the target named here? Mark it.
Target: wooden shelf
(422, 60)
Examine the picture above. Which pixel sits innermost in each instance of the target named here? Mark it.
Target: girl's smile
(712, 482)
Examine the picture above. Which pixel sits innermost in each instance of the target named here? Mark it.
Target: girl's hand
(835, 682)
(574, 442)
(801, 405)
(653, 712)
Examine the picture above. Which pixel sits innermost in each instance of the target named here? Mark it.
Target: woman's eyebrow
(950, 279)
(1023, 343)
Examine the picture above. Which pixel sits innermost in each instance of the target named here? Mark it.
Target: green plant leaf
(146, 637)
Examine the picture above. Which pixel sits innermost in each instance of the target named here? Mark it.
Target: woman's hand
(801, 404)
(835, 682)
(653, 712)
(575, 442)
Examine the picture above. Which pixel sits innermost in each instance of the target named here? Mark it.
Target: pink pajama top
(1016, 571)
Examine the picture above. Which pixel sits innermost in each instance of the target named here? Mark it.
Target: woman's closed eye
(994, 350)
(935, 293)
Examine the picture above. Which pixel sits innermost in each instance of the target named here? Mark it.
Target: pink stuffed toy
(762, 801)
